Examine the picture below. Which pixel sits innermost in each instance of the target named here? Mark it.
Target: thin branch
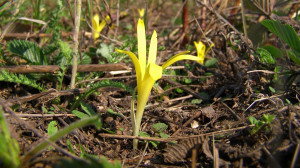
(75, 39)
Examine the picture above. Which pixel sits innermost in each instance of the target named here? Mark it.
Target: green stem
(244, 19)
(44, 144)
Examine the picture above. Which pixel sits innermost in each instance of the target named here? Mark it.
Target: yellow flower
(148, 72)
(201, 50)
(98, 27)
(141, 12)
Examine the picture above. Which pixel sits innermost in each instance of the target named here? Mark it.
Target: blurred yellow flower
(99, 27)
(201, 50)
(141, 12)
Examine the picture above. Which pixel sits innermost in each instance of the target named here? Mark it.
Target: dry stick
(56, 68)
(174, 138)
(42, 115)
(227, 23)
(196, 115)
(75, 39)
(244, 18)
(117, 20)
(70, 10)
(185, 21)
(275, 163)
(232, 112)
(186, 89)
(50, 93)
(295, 156)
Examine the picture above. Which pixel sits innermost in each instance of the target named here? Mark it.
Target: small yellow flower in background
(201, 50)
(141, 12)
(147, 72)
(99, 27)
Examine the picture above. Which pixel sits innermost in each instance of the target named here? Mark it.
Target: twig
(274, 161)
(42, 115)
(173, 138)
(196, 115)
(56, 68)
(295, 156)
(75, 39)
(185, 89)
(232, 112)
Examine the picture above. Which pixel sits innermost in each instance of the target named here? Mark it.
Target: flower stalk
(147, 73)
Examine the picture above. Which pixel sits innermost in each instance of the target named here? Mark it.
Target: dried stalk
(75, 39)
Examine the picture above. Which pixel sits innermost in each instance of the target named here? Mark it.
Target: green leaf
(294, 56)
(275, 52)
(196, 101)
(252, 120)
(159, 127)
(163, 135)
(265, 56)
(110, 111)
(80, 114)
(178, 90)
(27, 50)
(187, 80)
(272, 89)
(52, 128)
(211, 62)
(285, 32)
(143, 134)
(268, 118)
(70, 146)
(21, 79)
(88, 109)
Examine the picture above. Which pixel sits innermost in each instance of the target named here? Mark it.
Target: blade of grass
(44, 144)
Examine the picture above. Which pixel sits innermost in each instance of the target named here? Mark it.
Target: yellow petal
(178, 58)
(141, 36)
(182, 53)
(95, 25)
(103, 23)
(212, 45)
(153, 48)
(137, 67)
(200, 47)
(154, 71)
(141, 12)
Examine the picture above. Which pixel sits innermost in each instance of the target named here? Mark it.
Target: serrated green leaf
(80, 114)
(21, 79)
(265, 56)
(159, 127)
(27, 50)
(294, 56)
(285, 32)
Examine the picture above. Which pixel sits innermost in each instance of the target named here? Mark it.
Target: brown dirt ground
(223, 134)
